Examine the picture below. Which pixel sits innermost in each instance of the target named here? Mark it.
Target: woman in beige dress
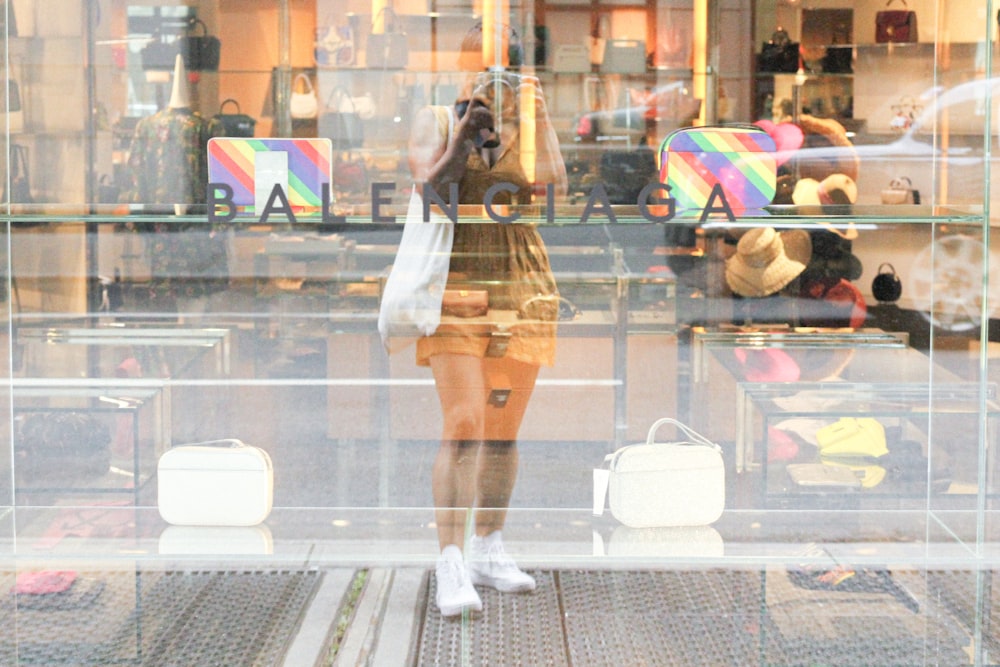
(476, 465)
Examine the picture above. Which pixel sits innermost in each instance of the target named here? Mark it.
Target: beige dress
(509, 260)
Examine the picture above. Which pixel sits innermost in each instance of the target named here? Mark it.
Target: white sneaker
(455, 593)
(489, 565)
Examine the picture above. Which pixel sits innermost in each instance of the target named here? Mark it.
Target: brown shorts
(511, 263)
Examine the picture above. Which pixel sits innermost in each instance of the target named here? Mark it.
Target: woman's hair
(470, 57)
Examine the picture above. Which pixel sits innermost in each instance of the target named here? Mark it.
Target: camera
(491, 141)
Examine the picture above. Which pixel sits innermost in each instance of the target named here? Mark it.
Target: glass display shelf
(859, 216)
(168, 351)
(536, 537)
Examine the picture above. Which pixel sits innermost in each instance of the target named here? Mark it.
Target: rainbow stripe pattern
(740, 158)
(231, 161)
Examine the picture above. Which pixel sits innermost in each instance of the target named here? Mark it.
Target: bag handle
(228, 443)
(341, 93)
(389, 19)
(302, 76)
(696, 438)
(222, 107)
(891, 271)
(892, 1)
(194, 23)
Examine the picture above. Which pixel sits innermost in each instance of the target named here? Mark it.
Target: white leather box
(216, 483)
(680, 483)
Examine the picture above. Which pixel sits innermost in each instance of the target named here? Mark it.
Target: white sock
(492, 538)
(452, 552)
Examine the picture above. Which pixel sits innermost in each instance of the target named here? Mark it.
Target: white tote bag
(411, 301)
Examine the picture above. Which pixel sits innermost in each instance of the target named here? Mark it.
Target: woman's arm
(435, 160)
(549, 164)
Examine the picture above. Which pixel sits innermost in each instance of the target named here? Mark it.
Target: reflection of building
(285, 356)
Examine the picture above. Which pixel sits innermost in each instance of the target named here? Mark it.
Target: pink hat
(767, 364)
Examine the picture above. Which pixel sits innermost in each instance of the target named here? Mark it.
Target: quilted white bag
(659, 484)
(215, 483)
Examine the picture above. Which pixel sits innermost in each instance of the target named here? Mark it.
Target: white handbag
(215, 483)
(660, 484)
(571, 58)
(410, 305)
(303, 104)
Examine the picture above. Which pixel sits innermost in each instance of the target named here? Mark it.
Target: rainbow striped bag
(740, 158)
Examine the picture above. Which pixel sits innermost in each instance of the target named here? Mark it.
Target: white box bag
(215, 483)
(659, 484)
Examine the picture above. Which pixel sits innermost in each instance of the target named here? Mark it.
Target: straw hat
(763, 265)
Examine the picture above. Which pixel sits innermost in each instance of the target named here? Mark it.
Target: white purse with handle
(659, 484)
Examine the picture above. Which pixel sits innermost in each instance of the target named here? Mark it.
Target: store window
(766, 221)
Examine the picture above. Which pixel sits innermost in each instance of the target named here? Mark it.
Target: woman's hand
(477, 123)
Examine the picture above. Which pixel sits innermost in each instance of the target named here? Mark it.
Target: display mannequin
(168, 167)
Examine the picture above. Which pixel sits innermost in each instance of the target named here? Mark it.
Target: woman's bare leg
(461, 389)
(498, 457)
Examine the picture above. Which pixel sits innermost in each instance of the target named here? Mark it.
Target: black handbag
(779, 54)
(235, 124)
(626, 173)
(837, 60)
(158, 54)
(107, 190)
(8, 22)
(20, 183)
(200, 52)
(886, 286)
(10, 107)
(342, 127)
(387, 49)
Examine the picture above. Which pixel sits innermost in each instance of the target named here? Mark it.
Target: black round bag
(886, 286)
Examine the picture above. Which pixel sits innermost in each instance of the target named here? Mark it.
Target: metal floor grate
(522, 630)
(231, 619)
(693, 618)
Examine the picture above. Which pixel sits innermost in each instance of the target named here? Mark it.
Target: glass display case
(88, 441)
(802, 437)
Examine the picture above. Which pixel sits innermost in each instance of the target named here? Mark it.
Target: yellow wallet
(852, 436)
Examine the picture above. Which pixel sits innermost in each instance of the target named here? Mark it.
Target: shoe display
(455, 592)
(489, 565)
